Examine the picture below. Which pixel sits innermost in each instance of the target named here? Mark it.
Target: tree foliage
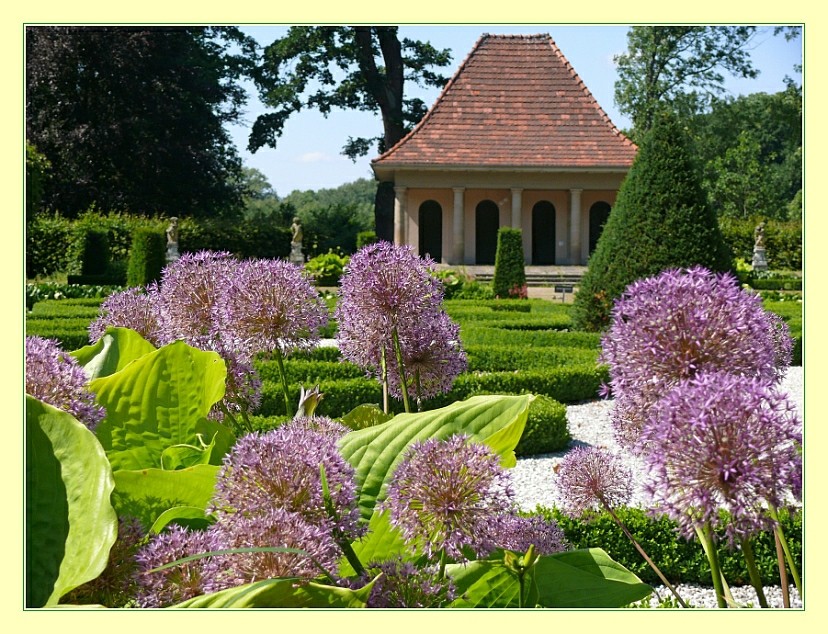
(751, 150)
(679, 68)
(350, 67)
(132, 118)
(661, 219)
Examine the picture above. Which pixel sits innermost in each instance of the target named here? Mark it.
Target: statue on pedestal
(760, 260)
(296, 255)
(172, 240)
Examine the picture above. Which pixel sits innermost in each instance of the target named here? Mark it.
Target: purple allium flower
(56, 378)
(720, 441)
(190, 289)
(280, 468)
(403, 585)
(387, 288)
(133, 308)
(446, 495)
(680, 323)
(591, 478)
(269, 305)
(320, 424)
(521, 532)
(269, 527)
(432, 356)
(382, 287)
(179, 583)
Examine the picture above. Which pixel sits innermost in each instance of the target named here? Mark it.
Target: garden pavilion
(514, 139)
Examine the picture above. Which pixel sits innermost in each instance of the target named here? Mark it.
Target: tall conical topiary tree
(660, 220)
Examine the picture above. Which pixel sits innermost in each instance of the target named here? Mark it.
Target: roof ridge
(557, 51)
(430, 112)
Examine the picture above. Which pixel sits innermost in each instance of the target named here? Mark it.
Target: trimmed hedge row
(680, 560)
(501, 358)
(71, 333)
(493, 336)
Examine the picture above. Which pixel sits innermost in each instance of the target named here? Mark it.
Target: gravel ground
(589, 424)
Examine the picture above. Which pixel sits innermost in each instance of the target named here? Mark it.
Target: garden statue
(172, 240)
(760, 260)
(296, 255)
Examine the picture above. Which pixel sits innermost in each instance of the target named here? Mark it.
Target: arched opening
(543, 233)
(487, 222)
(598, 216)
(431, 230)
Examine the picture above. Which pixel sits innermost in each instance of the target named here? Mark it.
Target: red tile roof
(514, 102)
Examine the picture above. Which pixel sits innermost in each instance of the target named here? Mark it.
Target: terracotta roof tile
(514, 101)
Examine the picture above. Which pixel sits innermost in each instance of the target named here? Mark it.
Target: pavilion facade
(514, 139)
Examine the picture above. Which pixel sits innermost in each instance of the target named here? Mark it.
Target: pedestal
(296, 255)
(760, 260)
(172, 252)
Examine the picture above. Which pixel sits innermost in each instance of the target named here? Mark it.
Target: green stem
(643, 553)
(777, 529)
(419, 388)
(384, 371)
(443, 560)
(401, 369)
(783, 575)
(283, 376)
(705, 536)
(753, 572)
(235, 423)
(339, 536)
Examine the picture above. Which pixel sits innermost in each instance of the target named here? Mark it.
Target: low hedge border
(680, 560)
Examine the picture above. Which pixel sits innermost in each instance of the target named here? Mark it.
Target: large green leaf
(375, 452)
(70, 523)
(282, 593)
(157, 401)
(574, 579)
(587, 578)
(381, 542)
(113, 352)
(148, 493)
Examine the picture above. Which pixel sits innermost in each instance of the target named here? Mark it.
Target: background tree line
(130, 119)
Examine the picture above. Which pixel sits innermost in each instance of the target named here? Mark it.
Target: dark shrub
(509, 275)
(147, 258)
(661, 219)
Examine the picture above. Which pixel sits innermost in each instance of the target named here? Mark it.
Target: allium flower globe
(681, 323)
(720, 441)
(56, 378)
(178, 583)
(404, 585)
(522, 532)
(280, 468)
(269, 526)
(591, 478)
(269, 305)
(447, 495)
(133, 308)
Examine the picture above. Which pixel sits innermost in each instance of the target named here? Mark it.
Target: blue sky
(308, 153)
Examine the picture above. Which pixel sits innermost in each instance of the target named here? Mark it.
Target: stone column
(400, 219)
(459, 225)
(517, 205)
(575, 226)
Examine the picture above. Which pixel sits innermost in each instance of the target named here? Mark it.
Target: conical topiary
(509, 278)
(660, 220)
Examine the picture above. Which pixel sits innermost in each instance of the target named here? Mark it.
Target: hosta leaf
(587, 578)
(381, 542)
(113, 352)
(70, 523)
(148, 493)
(191, 517)
(376, 451)
(157, 401)
(282, 593)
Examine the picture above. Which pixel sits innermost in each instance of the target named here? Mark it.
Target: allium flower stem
(644, 554)
(233, 420)
(753, 571)
(705, 535)
(384, 370)
(783, 575)
(395, 336)
(780, 535)
(283, 375)
(339, 537)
